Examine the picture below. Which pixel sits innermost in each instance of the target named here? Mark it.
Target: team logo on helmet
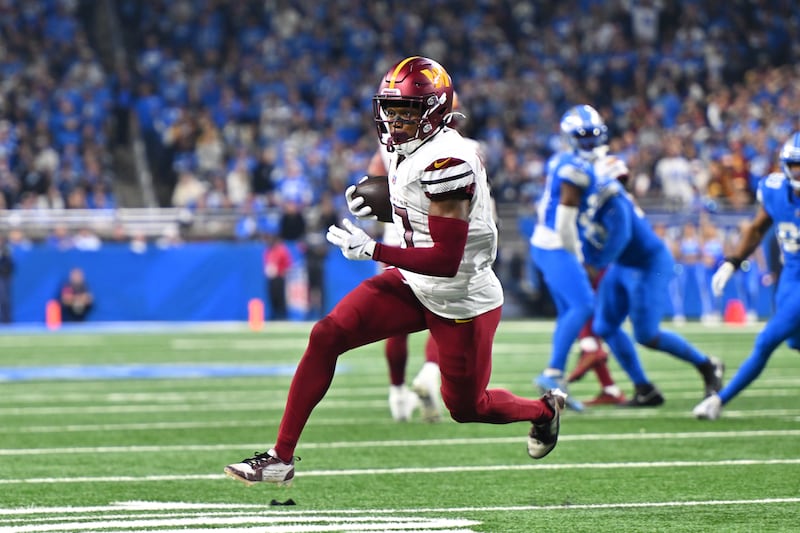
(424, 88)
(438, 76)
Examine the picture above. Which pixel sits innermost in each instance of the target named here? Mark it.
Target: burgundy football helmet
(421, 84)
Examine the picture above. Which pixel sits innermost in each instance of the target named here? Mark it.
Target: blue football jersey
(561, 167)
(616, 231)
(783, 206)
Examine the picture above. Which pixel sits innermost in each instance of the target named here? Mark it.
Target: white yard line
(421, 470)
(171, 426)
(254, 344)
(596, 437)
(270, 524)
(201, 517)
(179, 408)
(215, 508)
(336, 401)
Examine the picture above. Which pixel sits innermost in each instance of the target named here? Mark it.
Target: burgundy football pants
(384, 306)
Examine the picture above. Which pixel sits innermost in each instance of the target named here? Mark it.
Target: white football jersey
(391, 237)
(447, 162)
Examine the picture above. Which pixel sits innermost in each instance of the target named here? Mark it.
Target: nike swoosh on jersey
(443, 163)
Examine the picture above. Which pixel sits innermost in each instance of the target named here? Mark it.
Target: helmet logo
(421, 84)
(438, 77)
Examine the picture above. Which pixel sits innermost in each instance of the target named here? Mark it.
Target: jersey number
(789, 235)
(408, 231)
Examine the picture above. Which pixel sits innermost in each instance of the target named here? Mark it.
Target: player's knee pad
(647, 338)
(463, 414)
(327, 334)
(461, 409)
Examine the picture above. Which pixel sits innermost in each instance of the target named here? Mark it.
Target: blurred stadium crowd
(269, 101)
(264, 107)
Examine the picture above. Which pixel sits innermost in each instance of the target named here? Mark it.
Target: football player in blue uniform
(616, 233)
(555, 244)
(779, 198)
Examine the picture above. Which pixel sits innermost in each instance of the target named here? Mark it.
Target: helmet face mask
(584, 131)
(393, 116)
(420, 84)
(790, 157)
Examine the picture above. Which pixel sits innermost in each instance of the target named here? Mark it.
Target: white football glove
(356, 205)
(721, 277)
(611, 167)
(354, 242)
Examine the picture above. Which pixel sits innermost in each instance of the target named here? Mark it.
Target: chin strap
(455, 115)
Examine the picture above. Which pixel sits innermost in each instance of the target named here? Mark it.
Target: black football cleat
(543, 437)
(712, 372)
(645, 396)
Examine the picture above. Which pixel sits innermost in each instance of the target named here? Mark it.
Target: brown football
(375, 191)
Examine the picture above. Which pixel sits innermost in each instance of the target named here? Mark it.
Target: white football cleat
(708, 409)
(402, 402)
(262, 467)
(426, 385)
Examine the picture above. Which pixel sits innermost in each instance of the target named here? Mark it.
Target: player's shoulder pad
(447, 175)
(443, 163)
(573, 170)
(774, 181)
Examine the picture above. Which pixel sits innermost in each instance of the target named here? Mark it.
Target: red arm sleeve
(442, 259)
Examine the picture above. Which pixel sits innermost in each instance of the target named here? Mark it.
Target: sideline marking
(434, 470)
(79, 372)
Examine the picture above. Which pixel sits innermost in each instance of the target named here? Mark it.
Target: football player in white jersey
(443, 280)
(424, 391)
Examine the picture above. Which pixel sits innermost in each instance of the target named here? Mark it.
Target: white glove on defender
(611, 167)
(353, 241)
(356, 205)
(721, 278)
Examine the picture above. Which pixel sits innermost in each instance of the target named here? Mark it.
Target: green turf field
(139, 454)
